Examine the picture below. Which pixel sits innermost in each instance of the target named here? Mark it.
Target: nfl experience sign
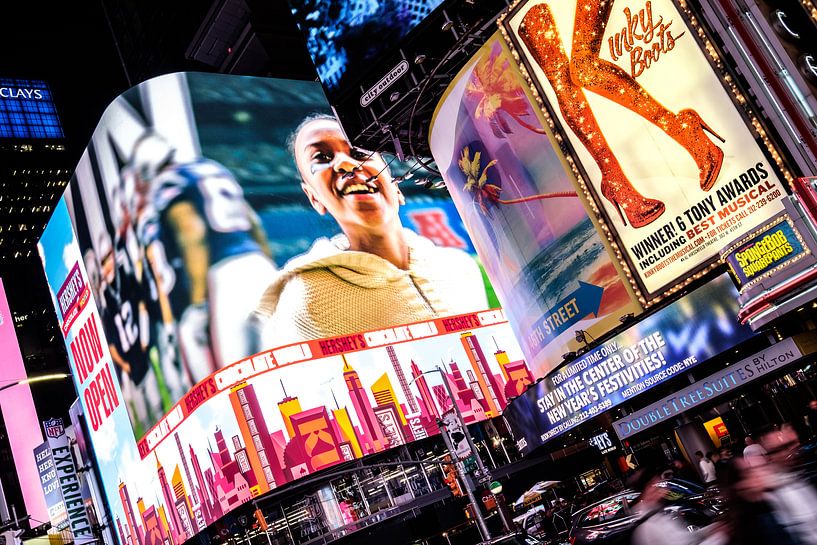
(667, 162)
(69, 482)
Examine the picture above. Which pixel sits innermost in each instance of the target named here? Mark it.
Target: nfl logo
(54, 428)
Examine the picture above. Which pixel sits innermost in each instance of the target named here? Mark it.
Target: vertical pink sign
(20, 416)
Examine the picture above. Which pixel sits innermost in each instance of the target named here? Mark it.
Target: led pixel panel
(27, 110)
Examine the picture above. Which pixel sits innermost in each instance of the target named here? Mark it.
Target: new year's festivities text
(644, 38)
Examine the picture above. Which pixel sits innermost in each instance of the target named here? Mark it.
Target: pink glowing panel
(19, 414)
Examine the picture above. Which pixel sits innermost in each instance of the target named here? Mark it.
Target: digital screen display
(671, 163)
(517, 197)
(206, 286)
(676, 338)
(27, 110)
(765, 251)
(344, 37)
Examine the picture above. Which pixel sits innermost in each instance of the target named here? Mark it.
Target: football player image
(376, 273)
(127, 305)
(207, 248)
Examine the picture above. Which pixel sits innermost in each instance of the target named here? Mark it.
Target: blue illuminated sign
(664, 345)
(27, 110)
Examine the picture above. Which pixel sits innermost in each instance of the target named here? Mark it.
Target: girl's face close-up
(354, 186)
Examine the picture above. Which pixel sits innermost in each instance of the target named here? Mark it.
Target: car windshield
(517, 539)
(611, 509)
(678, 489)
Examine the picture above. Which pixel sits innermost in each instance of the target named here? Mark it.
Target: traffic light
(450, 478)
(262, 522)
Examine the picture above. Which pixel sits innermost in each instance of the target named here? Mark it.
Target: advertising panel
(27, 110)
(73, 491)
(338, 34)
(662, 149)
(206, 240)
(700, 325)
(280, 415)
(725, 381)
(50, 483)
(19, 413)
(765, 251)
(302, 345)
(517, 197)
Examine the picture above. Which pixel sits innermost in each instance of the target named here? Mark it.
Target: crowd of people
(766, 497)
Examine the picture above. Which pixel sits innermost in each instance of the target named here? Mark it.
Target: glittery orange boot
(540, 35)
(602, 77)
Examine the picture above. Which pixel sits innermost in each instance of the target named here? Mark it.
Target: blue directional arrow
(558, 319)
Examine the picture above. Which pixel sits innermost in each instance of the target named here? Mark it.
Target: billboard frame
(738, 99)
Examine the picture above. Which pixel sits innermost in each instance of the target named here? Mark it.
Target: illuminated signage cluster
(27, 110)
(723, 382)
(670, 164)
(766, 250)
(653, 351)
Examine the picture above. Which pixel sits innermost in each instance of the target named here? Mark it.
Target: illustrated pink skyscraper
(373, 439)
(401, 378)
(196, 503)
(167, 494)
(221, 448)
(492, 392)
(200, 487)
(130, 520)
(257, 441)
(425, 391)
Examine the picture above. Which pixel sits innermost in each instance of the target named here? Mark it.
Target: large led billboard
(661, 140)
(339, 33)
(664, 345)
(247, 299)
(516, 195)
(27, 110)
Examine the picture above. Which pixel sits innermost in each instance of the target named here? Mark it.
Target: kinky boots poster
(660, 145)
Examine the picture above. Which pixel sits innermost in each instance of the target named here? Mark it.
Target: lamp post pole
(43, 378)
(466, 482)
(481, 467)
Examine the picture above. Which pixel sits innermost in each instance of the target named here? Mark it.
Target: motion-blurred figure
(754, 453)
(811, 418)
(792, 497)
(655, 525)
(208, 247)
(706, 466)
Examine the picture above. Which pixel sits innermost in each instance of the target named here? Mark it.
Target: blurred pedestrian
(706, 467)
(751, 518)
(655, 526)
(724, 456)
(811, 418)
(791, 496)
(754, 453)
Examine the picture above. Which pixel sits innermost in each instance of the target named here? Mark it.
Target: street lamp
(483, 527)
(41, 378)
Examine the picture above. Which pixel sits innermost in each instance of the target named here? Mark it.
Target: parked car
(611, 520)
(517, 538)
